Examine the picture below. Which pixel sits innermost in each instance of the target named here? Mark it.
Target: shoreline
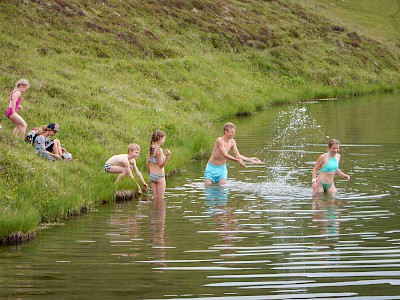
(120, 194)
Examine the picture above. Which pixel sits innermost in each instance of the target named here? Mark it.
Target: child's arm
(345, 176)
(138, 173)
(48, 152)
(148, 163)
(128, 168)
(237, 154)
(221, 148)
(162, 162)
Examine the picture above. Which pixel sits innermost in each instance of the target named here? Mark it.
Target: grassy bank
(111, 72)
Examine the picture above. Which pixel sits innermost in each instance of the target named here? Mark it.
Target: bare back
(119, 160)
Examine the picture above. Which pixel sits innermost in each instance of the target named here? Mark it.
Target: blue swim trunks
(215, 173)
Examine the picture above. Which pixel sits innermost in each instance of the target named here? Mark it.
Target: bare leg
(332, 189)
(222, 182)
(57, 147)
(159, 189)
(208, 181)
(118, 169)
(122, 175)
(20, 125)
(319, 188)
(154, 189)
(161, 185)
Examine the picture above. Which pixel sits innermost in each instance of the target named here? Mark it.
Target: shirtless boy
(124, 164)
(216, 171)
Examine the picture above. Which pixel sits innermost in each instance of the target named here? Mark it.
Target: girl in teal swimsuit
(329, 165)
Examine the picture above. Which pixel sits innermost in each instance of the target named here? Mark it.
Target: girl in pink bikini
(14, 105)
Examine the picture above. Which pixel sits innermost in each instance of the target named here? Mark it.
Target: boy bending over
(124, 164)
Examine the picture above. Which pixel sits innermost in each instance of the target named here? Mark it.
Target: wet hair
(228, 126)
(133, 147)
(22, 81)
(333, 142)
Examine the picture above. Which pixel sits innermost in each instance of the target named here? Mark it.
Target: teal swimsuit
(216, 173)
(331, 166)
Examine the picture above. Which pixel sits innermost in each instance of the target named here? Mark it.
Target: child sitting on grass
(49, 149)
(42, 144)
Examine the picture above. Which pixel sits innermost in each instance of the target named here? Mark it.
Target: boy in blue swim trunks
(216, 171)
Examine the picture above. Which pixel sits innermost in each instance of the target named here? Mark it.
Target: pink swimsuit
(9, 110)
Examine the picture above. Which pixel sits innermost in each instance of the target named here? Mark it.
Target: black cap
(53, 126)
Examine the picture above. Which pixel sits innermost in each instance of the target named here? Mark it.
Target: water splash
(294, 129)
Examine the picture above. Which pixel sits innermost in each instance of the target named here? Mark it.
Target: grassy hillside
(110, 72)
(379, 20)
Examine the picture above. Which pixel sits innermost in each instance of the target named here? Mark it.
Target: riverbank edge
(18, 237)
(181, 77)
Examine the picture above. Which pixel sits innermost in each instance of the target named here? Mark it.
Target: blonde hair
(133, 147)
(43, 129)
(228, 126)
(22, 81)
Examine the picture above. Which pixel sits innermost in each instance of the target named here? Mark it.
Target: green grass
(110, 73)
(379, 20)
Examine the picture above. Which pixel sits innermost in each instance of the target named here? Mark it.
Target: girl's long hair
(157, 135)
(43, 129)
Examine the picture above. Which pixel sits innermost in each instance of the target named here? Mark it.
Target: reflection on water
(157, 230)
(327, 215)
(264, 235)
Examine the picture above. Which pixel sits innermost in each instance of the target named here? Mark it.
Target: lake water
(263, 236)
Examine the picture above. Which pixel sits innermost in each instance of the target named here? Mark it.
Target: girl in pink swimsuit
(14, 105)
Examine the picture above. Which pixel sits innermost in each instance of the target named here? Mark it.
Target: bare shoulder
(220, 140)
(157, 151)
(322, 157)
(16, 94)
